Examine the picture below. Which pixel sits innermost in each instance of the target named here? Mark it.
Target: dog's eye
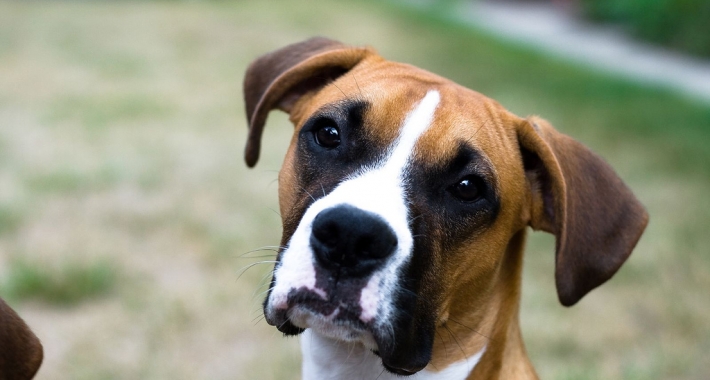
(469, 188)
(327, 136)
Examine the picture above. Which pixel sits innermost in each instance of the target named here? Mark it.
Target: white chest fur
(328, 359)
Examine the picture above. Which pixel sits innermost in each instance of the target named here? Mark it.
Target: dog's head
(402, 193)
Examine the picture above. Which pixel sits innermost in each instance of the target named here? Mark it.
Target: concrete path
(551, 29)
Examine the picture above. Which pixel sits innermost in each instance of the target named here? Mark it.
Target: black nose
(351, 240)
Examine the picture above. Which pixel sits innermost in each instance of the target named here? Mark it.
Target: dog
(405, 201)
(20, 350)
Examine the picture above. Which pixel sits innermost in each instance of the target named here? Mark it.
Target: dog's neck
(324, 358)
(505, 356)
(480, 343)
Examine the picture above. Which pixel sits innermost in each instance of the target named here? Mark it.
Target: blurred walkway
(551, 29)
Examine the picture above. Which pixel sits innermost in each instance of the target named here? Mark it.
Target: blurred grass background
(127, 214)
(678, 24)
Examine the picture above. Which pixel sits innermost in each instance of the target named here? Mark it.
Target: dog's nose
(351, 240)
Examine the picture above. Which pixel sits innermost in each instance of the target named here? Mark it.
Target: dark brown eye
(327, 136)
(469, 188)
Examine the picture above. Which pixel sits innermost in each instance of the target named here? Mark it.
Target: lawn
(129, 223)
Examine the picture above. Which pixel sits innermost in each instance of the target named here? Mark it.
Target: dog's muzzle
(345, 248)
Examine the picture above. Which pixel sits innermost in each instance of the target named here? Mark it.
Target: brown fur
(545, 179)
(20, 350)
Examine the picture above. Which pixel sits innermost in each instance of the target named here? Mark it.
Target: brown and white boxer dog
(405, 201)
(20, 351)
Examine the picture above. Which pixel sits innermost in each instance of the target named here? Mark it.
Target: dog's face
(400, 195)
(389, 203)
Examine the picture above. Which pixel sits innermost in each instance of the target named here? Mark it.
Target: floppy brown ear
(578, 197)
(20, 350)
(278, 79)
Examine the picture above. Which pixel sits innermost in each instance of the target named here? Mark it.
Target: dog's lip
(305, 305)
(328, 313)
(329, 307)
(397, 370)
(401, 371)
(292, 320)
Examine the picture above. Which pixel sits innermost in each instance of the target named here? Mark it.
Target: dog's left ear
(282, 77)
(578, 197)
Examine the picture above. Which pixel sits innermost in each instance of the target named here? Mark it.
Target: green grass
(73, 181)
(122, 130)
(99, 111)
(587, 104)
(678, 24)
(10, 219)
(66, 285)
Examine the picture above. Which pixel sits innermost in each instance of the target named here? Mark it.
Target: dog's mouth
(332, 316)
(343, 277)
(340, 319)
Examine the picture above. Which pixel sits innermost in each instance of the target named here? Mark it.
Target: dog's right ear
(578, 197)
(280, 78)
(20, 350)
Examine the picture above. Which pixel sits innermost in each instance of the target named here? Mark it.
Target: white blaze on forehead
(416, 123)
(378, 190)
(388, 180)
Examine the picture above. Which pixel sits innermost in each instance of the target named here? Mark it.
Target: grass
(97, 111)
(592, 106)
(10, 219)
(121, 131)
(66, 285)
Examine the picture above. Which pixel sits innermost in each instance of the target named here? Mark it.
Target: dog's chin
(338, 327)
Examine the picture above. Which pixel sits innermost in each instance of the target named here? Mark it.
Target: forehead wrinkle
(385, 116)
(464, 123)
